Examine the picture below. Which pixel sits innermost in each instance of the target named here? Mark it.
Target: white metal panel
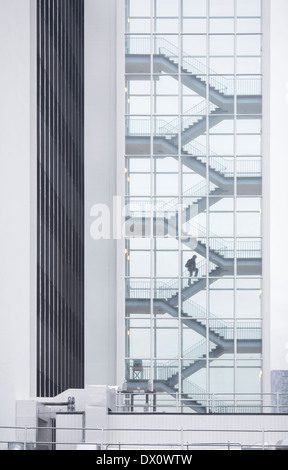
(190, 430)
(68, 431)
(16, 207)
(100, 187)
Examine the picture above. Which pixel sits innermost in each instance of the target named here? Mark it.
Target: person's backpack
(188, 264)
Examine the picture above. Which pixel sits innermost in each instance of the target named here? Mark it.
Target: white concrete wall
(101, 186)
(17, 209)
(279, 185)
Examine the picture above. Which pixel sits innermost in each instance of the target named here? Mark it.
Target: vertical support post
(154, 402)
(277, 403)
(25, 438)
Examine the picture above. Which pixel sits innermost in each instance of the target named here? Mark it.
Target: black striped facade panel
(60, 198)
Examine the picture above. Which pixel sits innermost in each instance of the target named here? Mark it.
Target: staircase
(168, 136)
(166, 59)
(197, 284)
(221, 170)
(195, 74)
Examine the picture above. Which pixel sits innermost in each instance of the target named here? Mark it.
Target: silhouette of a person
(191, 266)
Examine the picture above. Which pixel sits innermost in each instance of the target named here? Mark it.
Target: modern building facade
(60, 196)
(42, 136)
(194, 161)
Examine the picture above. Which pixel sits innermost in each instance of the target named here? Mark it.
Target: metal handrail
(225, 328)
(195, 352)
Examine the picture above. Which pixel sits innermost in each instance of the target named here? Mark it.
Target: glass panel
(195, 25)
(166, 339)
(166, 86)
(221, 379)
(223, 166)
(194, 173)
(138, 140)
(221, 7)
(249, 25)
(136, 207)
(165, 211)
(193, 343)
(249, 167)
(249, 331)
(165, 289)
(166, 184)
(221, 251)
(193, 46)
(195, 307)
(137, 45)
(196, 368)
(220, 328)
(221, 25)
(138, 104)
(249, 298)
(221, 45)
(138, 289)
(249, 66)
(166, 95)
(166, 164)
(249, 144)
(248, 7)
(192, 101)
(139, 184)
(249, 249)
(167, 8)
(138, 25)
(138, 7)
(166, 46)
(221, 144)
(221, 298)
(164, 370)
(222, 66)
(166, 263)
(165, 135)
(137, 165)
(140, 263)
(249, 221)
(222, 218)
(138, 338)
(166, 25)
(194, 8)
(248, 45)
(249, 125)
(249, 381)
(196, 395)
(138, 369)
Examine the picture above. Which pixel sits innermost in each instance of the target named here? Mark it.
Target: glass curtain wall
(194, 200)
